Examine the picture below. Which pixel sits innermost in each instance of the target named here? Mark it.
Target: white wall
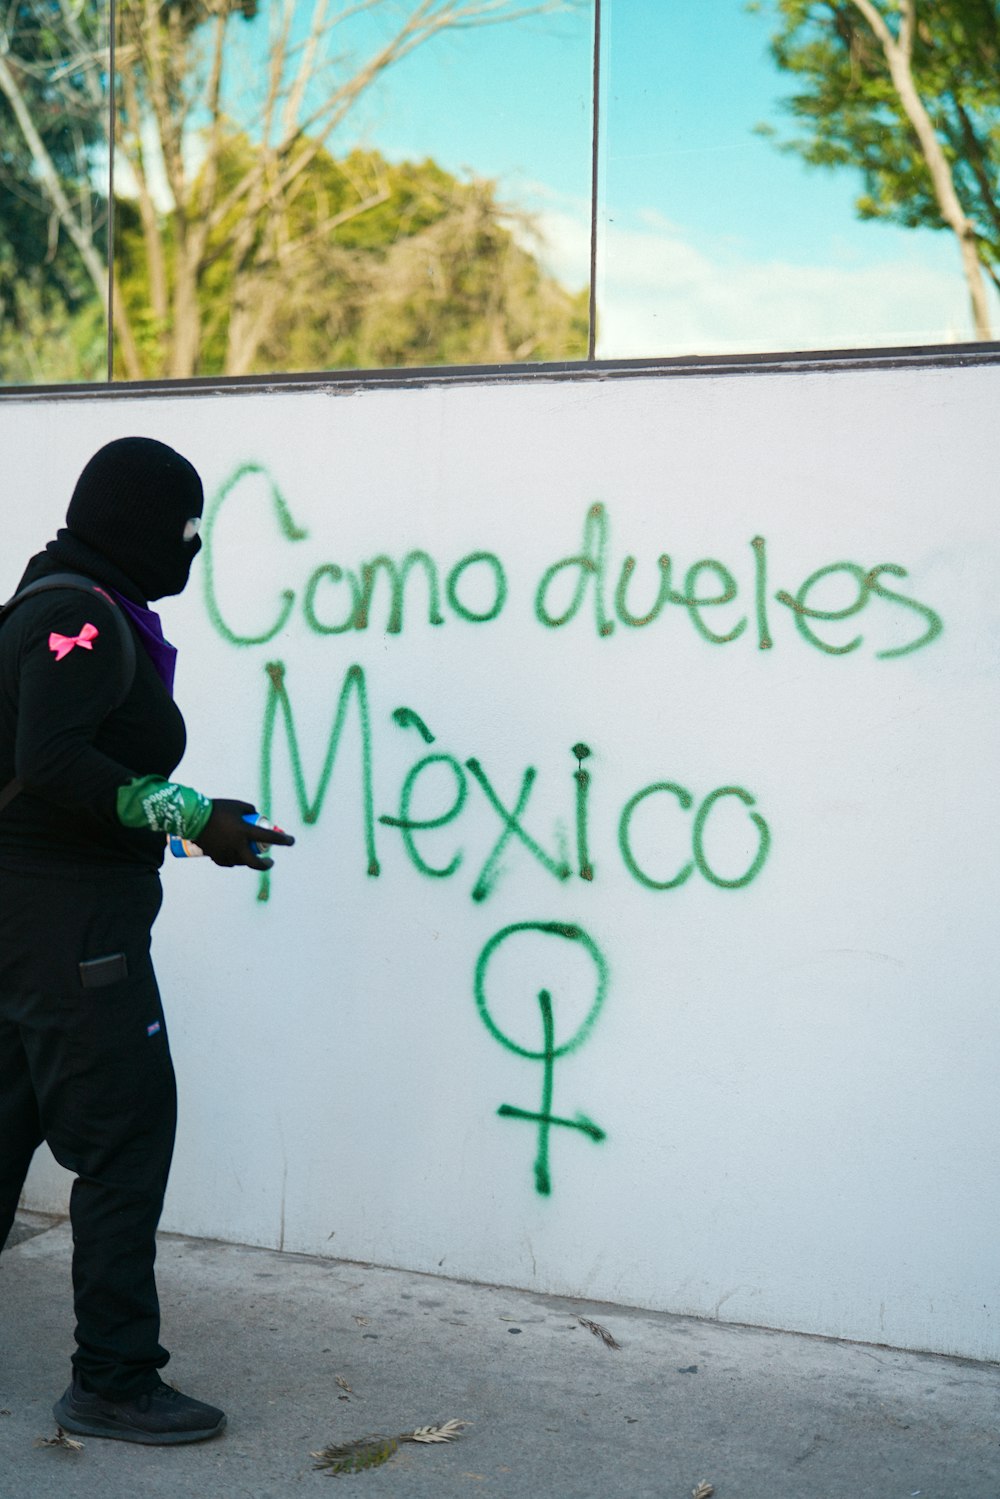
(797, 1077)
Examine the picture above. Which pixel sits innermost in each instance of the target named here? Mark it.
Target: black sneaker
(161, 1417)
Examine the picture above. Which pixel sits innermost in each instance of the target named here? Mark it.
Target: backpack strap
(83, 584)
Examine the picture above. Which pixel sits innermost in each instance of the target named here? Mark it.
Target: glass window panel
(53, 192)
(717, 235)
(301, 186)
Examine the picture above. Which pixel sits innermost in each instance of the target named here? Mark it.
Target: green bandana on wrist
(162, 806)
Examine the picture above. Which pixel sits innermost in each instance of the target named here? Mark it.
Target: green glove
(153, 803)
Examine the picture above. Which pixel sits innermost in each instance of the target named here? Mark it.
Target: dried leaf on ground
(69, 1444)
(600, 1332)
(355, 1457)
(446, 1433)
(703, 1491)
(373, 1451)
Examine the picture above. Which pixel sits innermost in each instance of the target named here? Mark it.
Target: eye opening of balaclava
(138, 503)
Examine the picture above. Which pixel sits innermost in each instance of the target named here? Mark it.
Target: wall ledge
(350, 382)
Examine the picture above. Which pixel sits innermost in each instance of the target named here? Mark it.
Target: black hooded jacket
(61, 732)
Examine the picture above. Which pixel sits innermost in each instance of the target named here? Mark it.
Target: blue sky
(710, 238)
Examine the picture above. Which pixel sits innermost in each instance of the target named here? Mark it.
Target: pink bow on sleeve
(61, 645)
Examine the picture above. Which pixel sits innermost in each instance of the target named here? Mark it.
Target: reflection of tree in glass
(53, 224)
(261, 251)
(911, 95)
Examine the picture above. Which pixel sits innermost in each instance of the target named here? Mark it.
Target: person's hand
(226, 838)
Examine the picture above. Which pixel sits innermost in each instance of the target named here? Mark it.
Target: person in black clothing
(89, 736)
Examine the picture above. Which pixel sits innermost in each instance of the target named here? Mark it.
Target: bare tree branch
(130, 127)
(50, 180)
(898, 56)
(235, 205)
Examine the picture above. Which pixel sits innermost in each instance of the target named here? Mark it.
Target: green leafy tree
(433, 271)
(248, 207)
(214, 236)
(53, 219)
(464, 290)
(909, 94)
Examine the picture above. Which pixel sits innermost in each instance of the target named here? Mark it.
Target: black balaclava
(132, 504)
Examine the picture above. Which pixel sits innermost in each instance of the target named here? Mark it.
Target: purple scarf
(159, 650)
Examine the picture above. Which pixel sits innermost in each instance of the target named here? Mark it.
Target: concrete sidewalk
(556, 1413)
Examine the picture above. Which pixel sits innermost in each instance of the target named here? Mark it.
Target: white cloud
(659, 295)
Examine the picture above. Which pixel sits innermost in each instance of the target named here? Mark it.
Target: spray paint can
(183, 848)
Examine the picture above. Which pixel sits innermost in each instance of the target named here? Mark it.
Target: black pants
(85, 1066)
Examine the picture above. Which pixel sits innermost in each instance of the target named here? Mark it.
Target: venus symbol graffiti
(499, 963)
